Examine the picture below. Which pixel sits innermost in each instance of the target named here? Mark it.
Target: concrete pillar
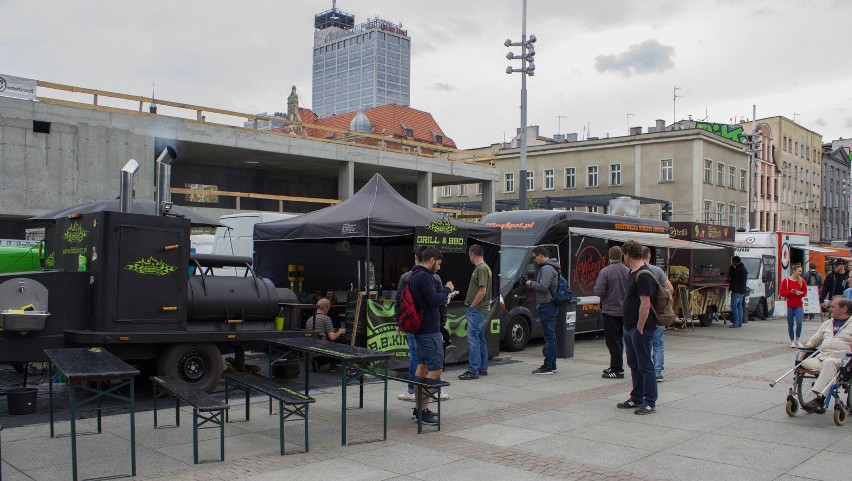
(488, 197)
(424, 189)
(345, 180)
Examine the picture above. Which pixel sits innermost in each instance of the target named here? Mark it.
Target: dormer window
(408, 131)
(439, 139)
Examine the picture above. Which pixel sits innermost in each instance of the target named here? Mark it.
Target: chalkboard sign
(352, 301)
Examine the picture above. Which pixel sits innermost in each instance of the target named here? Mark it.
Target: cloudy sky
(600, 65)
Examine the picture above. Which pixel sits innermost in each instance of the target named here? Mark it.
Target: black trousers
(613, 327)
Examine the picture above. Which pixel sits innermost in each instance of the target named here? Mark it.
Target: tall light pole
(527, 68)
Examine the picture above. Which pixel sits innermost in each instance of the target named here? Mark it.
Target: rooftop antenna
(628, 122)
(559, 122)
(674, 103)
(794, 117)
(706, 115)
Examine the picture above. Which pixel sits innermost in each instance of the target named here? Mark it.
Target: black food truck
(120, 280)
(580, 241)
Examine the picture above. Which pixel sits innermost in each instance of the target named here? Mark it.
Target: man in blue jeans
(639, 327)
(657, 344)
(544, 286)
(739, 276)
(477, 300)
(429, 341)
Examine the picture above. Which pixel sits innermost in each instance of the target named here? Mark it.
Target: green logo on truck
(151, 266)
(75, 234)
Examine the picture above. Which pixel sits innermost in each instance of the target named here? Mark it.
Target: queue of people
(630, 329)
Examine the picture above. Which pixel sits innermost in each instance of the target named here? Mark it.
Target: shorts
(430, 350)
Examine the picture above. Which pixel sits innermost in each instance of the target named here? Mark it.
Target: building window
(743, 177)
(446, 191)
(708, 171)
(720, 213)
(707, 207)
(593, 176)
(720, 174)
(615, 174)
(548, 179)
(732, 213)
(510, 182)
(463, 189)
(479, 188)
(666, 170)
(732, 176)
(570, 177)
(784, 144)
(530, 180)
(592, 208)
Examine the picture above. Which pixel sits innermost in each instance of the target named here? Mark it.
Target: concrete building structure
(835, 212)
(790, 168)
(703, 175)
(358, 66)
(56, 153)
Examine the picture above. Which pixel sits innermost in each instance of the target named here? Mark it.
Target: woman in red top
(794, 288)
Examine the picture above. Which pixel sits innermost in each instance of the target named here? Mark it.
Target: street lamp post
(527, 68)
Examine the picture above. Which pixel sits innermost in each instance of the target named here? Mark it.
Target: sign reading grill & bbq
(442, 235)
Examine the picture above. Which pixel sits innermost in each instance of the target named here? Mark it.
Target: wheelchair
(839, 391)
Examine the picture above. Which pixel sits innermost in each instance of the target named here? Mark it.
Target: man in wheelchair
(833, 339)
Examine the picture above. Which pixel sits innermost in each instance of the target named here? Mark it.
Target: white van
(768, 259)
(235, 238)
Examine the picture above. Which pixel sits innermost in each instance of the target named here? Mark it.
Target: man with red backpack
(430, 343)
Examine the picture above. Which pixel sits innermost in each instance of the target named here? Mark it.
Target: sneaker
(612, 374)
(444, 395)
(406, 396)
(428, 417)
(468, 375)
(799, 345)
(483, 373)
(543, 371)
(627, 405)
(793, 344)
(660, 378)
(645, 409)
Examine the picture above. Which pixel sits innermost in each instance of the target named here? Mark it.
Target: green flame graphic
(151, 266)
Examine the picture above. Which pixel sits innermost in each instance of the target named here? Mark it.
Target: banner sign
(17, 87)
(443, 235)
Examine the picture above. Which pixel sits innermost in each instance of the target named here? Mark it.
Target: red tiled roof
(387, 120)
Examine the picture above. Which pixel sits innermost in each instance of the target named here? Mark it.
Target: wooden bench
(204, 407)
(430, 387)
(291, 403)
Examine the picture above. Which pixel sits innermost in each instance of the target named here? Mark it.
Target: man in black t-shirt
(639, 327)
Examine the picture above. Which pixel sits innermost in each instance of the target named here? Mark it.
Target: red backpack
(410, 320)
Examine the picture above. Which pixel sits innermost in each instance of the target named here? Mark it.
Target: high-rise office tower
(359, 66)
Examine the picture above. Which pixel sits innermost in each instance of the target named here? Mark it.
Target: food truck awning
(645, 238)
(822, 250)
(726, 243)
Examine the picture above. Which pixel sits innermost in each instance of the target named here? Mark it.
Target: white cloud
(647, 57)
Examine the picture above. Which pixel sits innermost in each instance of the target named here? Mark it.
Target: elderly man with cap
(834, 284)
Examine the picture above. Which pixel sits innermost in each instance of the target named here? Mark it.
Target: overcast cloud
(595, 61)
(649, 56)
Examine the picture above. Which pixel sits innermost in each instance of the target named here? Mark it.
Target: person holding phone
(794, 288)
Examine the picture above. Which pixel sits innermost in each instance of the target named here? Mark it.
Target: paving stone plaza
(717, 419)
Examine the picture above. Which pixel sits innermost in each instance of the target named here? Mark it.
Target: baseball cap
(839, 262)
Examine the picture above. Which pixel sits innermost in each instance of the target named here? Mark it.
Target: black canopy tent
(378, 220)
(376, 223)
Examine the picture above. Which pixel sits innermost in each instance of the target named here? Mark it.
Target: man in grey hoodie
(544, 285)
(610, 287)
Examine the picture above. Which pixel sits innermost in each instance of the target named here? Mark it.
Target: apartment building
(703, 175)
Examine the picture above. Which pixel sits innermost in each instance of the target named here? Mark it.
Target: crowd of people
(631, 331)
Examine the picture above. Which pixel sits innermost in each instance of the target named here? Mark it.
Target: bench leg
(280, 426)
(221, 417)
(194, 436)
(306, 427)
(155, 405)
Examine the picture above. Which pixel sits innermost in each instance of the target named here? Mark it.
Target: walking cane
(773, 383)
